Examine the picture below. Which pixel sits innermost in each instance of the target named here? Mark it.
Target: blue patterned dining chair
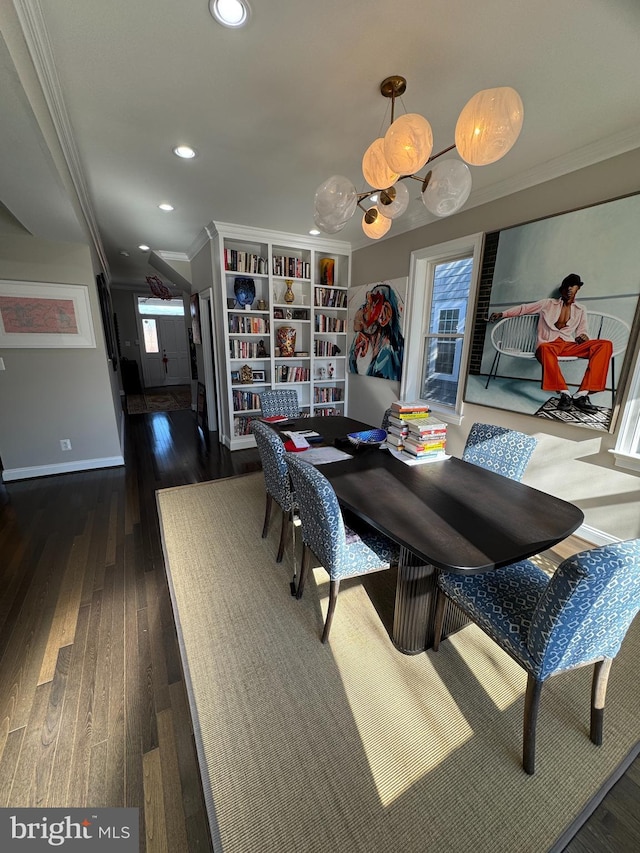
(548, 625)
(280, 401)
(385, 418)
(504, 451)
(276, 479)
(344, 551)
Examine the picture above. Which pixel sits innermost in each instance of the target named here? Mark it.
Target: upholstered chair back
(274, 464)
(280, 401)
(504, 451)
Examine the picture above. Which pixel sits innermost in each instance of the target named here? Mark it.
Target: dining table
(446, 515)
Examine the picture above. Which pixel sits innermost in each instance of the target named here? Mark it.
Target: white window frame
(627, 449)
(421, 272)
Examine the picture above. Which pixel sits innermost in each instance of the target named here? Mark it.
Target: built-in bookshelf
(251, 350)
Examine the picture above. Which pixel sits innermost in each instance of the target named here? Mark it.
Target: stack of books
(425, 439)
(402, 413)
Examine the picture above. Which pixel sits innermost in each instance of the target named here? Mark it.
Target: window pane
(441, 370)
(161, 307)
(150, 335)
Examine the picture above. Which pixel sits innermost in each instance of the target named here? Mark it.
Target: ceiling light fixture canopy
(487, 128)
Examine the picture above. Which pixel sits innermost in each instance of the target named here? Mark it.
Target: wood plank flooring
(93, 708)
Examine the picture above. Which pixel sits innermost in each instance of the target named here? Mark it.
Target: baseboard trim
(597, 537)
(10, 474)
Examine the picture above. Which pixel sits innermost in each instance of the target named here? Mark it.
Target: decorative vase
(286, 336)
(245, 291)
(327, 266)
(289, 295)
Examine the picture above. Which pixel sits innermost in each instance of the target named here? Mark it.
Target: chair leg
(283, 535)
(304, 567)
(531, 704)
(601, 672)
(441, 601)
(267, 515)
(334, 587)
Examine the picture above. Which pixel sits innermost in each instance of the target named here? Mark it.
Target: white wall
(570, 462)
(50, 394)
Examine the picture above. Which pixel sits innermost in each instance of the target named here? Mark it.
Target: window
(442, 286)
(150, 332)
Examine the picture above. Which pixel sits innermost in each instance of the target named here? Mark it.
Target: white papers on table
(416, 460)
(322, 455)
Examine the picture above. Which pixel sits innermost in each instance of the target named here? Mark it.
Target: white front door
(165, 351)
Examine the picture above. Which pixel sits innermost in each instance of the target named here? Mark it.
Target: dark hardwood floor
(93, 704)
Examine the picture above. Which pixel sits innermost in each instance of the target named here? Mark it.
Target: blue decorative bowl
(245, 291)
(368, 437)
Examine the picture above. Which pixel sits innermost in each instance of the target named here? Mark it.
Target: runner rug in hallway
(168, 400)
(354, 747)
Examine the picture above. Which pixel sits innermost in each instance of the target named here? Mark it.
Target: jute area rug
(170, 400)
(354, 747)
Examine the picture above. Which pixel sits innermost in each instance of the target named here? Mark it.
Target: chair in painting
(504, 451)
(344, 551)
(548, 625)
(280, 401)
(276, 479)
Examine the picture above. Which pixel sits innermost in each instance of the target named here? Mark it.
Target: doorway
(164, 350)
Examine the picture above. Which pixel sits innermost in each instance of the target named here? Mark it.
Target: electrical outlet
(65, 443)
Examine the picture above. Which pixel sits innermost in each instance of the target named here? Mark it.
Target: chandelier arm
(440, 153)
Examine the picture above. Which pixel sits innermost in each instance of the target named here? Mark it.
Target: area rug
(169, 400)
(596, 420)
(353, 747)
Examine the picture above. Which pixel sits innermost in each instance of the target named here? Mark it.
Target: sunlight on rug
(354, 747)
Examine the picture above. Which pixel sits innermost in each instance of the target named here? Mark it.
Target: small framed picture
(258, 375)
(299, 315)
(278, 314)
(235, 376)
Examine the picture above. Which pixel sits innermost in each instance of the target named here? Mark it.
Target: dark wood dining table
(446, 515)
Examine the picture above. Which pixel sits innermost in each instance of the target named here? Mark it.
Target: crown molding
(36, 38)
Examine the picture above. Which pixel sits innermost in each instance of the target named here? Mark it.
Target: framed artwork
(194, 307)
(556, 318)
(40, 314)
(376, 329)
(258, 375)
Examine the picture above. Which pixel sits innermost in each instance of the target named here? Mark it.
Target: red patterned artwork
(42, 316)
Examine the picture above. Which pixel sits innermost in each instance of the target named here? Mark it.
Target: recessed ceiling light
(184, 151)
(143, 247)
(314, 232)
(230, 13)
(124, 254)
(165, 206)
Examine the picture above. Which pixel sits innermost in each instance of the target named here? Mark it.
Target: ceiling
(276, 108)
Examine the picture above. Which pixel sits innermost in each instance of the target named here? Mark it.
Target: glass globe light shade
(375, 168)
(393, 201)
(374, 224)
(489, 125)
(335, 203)
(408, 144)
(448, 188)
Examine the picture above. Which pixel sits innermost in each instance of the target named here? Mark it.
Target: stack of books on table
(402, 414)
(426, 439)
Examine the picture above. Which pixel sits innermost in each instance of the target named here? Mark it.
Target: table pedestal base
(415, 606)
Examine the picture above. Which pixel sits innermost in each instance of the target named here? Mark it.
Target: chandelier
(486, 130)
